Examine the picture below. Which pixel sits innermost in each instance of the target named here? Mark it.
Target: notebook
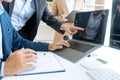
(46, 63)
(84, 42)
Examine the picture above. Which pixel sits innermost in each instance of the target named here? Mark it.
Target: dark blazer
(42, 13)
(12, 40)
(83, 20)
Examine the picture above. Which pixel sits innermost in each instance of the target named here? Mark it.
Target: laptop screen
(94, 24)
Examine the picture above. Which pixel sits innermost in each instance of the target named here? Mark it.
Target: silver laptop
(81, 43)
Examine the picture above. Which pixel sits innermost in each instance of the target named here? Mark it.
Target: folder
(47, 62)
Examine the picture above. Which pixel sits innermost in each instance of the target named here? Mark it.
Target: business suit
(83, 21)
(59, 8)
(41, 13)
(12, 40)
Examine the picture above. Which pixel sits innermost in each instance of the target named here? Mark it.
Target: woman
(61, 8)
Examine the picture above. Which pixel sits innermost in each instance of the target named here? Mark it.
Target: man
(26, 15)
(15, 62)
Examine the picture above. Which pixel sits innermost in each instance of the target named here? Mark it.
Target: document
(46, 63)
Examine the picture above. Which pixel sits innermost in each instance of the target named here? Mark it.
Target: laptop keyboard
(80, 46)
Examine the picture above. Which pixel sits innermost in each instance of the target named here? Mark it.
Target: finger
(30, 66)
(58, 47)
(63, 43)
(29, 51)
(78, 28)
(69, 32)
(66, 44)
(65, 20)
(74, 32)
(30, 55)
(63, 16)
(31, 59)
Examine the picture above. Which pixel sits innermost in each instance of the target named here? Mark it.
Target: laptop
(82, 43)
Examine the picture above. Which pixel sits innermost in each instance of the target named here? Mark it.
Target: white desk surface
(74, 71)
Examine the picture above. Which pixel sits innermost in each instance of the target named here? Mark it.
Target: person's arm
(55, 11)
(18, 42)
(50, 20)
(54, 8)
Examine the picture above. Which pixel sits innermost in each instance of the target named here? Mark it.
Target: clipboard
(46, 63)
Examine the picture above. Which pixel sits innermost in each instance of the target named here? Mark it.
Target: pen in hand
(31, 51)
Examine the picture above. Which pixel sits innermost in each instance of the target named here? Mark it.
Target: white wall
(89, 5)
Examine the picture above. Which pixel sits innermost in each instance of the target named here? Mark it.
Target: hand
(70, 28)
(62, 18)
(58, 45)
(8, 1)
(17, 61)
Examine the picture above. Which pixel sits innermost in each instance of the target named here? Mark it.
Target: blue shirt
(23, 10)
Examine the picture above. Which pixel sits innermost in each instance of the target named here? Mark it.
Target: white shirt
(70, 5)
(1, 53)
(23, 10)
(1, 49)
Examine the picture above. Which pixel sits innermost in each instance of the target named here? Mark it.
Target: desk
(74, 71)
